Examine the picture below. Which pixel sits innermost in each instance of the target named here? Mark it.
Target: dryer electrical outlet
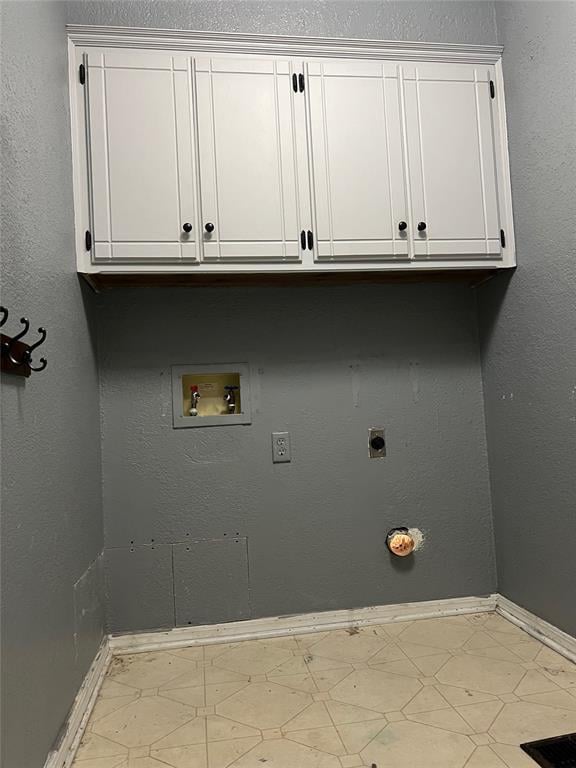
(376, 443)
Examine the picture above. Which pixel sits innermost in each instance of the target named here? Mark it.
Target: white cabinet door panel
(452, 170)
(142, 168)
(356, 153)
(251, 171)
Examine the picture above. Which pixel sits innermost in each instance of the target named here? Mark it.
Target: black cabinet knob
(421, 226)
(402, 226)
(209, 227)
(187, 227)
(377, 443)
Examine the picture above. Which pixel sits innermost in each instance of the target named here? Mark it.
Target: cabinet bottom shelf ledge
(106, 280)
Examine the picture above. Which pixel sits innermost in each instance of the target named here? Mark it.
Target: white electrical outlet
(281, 447)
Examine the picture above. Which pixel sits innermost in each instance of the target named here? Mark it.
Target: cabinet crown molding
(278, 45)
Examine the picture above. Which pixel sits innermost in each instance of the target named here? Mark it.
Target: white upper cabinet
(238, 154)
(356, 152)
(252, 150)
(452, 171)
(140, 155)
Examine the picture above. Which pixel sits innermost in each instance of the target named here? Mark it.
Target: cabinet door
(141, 157)
(359, 198)
(452, 172)
(252, 144)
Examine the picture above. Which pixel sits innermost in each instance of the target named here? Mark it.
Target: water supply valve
(230, 397)
(194, 397)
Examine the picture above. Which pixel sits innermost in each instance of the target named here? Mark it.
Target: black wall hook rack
(16, 355)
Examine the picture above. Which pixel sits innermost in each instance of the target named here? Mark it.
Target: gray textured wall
(326, 364)
(529, 330)
(313, 530)
(206, 510)
(51, 496)
(459, 21)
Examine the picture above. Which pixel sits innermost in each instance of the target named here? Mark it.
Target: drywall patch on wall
(211, 582)
(89, 612)
(184, 583)
(418, 536)
(139, 587)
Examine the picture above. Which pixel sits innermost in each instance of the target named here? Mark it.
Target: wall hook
(43, 364)
(16, 354)
(10, 344)
(28, 355)
(32, 347)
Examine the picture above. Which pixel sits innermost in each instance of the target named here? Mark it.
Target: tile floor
(438, 693)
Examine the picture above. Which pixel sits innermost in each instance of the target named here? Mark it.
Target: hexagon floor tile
(380, 691)
(523, 721)
(143, 722)
(436, 693)
(446, 634)
(341, 645)
(481, 674)
(264, 705)
(411, 745)
(149, 670)
(253, 659)
(282, 753)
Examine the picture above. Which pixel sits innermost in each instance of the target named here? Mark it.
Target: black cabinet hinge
(492, 89)
(88, 240)
(301, 82)
(502, 239)
(82, 74)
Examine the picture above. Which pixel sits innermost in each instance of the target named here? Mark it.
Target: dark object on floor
(559, 752)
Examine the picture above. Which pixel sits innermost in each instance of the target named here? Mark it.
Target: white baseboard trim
(298, 624)
(546, 633)
(63, 756)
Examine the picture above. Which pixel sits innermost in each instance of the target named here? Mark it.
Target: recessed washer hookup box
(211, 395)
